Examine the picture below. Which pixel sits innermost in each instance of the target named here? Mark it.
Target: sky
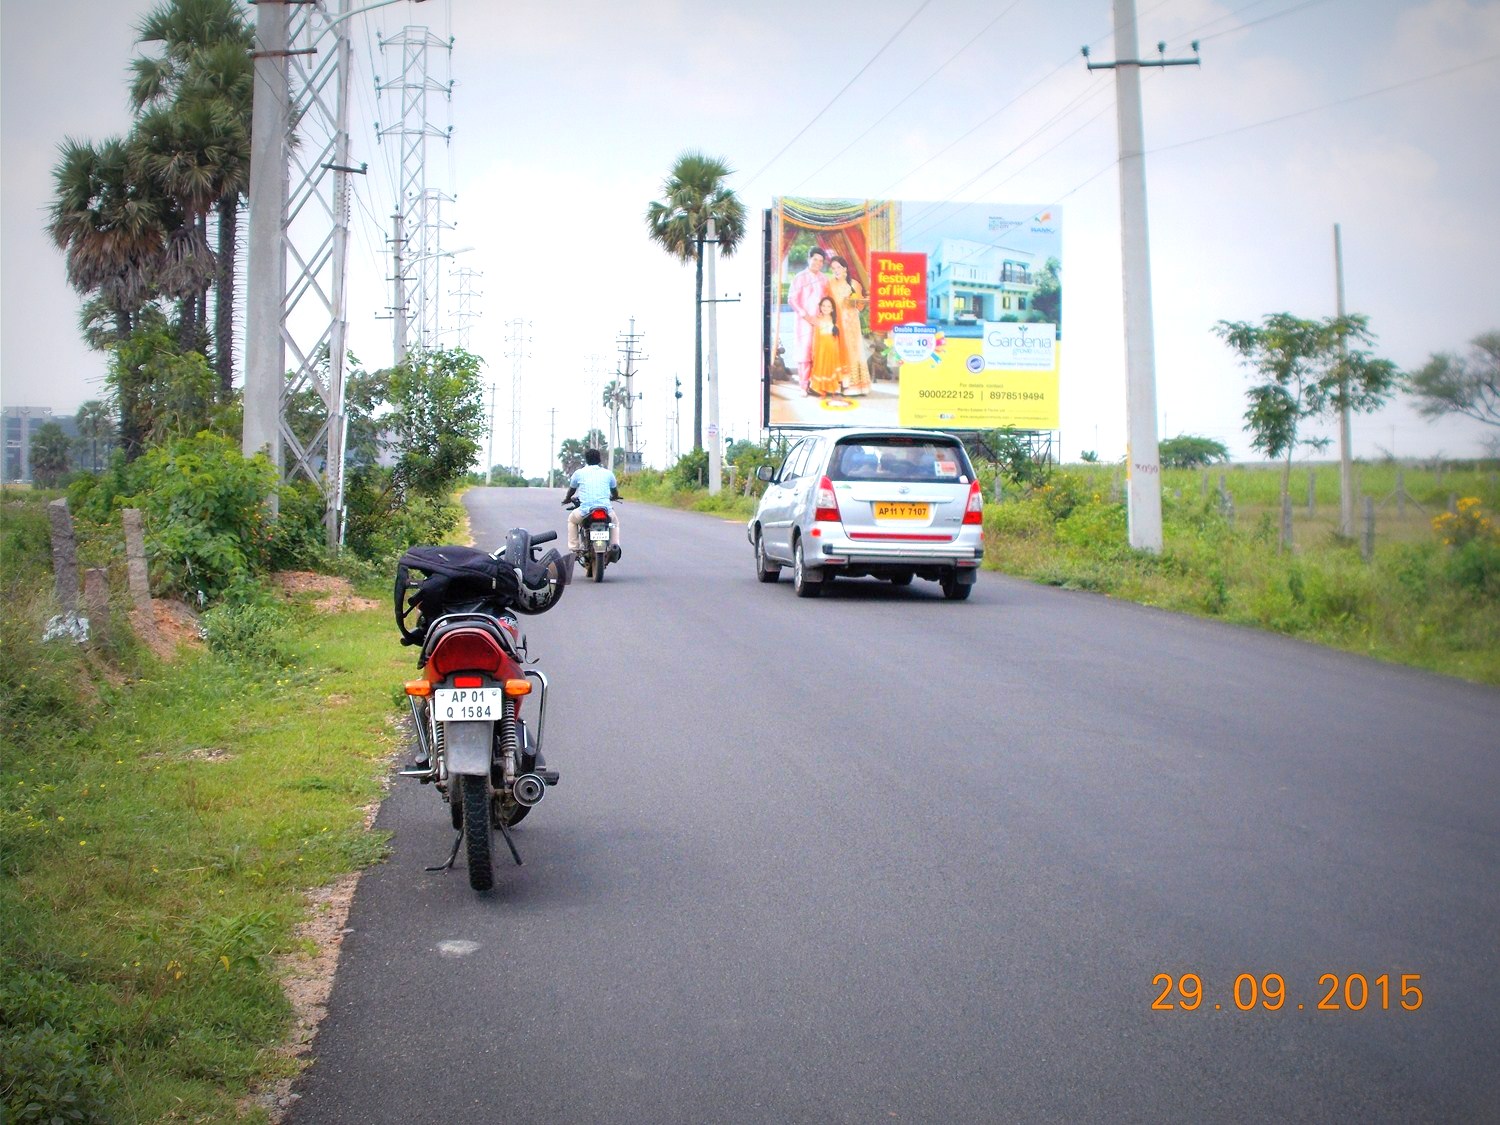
(1378, 115)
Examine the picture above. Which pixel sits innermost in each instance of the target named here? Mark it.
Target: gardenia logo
(1028, 347)
(1019, 340)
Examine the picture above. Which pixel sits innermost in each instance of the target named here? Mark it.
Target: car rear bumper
(851, 553)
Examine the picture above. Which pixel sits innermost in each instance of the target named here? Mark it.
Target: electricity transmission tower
(518, 341)
(420, 205)
(464, 315)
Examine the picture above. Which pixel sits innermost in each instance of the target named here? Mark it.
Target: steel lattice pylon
(420, 205)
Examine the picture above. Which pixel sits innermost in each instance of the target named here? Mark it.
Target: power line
(911, 93)
(836, 97)
(1330, 105)
(1263, 19)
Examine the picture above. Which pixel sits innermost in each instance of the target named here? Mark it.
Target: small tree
(438, 418)
(1189, 451)
(49, 455)
(1467, 385)
(1309, 369)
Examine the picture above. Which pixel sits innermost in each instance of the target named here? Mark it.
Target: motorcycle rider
(596, 487)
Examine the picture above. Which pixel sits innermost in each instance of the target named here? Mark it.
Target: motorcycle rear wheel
(479, 833)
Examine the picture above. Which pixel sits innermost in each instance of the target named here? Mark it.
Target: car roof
(842, 432)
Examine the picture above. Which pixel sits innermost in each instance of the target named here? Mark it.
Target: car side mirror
(765, 473)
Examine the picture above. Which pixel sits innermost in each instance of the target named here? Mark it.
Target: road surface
(882, 857)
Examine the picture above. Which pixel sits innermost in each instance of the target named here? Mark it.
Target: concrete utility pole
(1346, 456)
(398, 281)
(711, 367)
(552, 450)
(1143, 461)
(265, 254)
(628, 342)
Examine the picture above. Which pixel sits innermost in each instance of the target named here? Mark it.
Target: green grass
(1418, 601)
(160, 825)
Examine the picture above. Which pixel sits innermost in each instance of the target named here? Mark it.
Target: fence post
(135, 569)
(1453, 502)
(1367, 545)
(64, 555)
(1228, 501)
(1286, 522)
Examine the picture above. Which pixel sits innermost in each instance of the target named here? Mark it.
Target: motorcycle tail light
(599, 514)
(974, 513)
(465, 650)
(518, 687)
(826, 503)
(418, 687)
(468, 681)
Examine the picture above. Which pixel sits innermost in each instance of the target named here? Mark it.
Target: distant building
(20, 424)
(968, 282)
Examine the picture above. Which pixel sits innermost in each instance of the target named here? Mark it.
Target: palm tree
(96, 426)
(110, 223)
(195, 133)
(693, 194)
(615, 398)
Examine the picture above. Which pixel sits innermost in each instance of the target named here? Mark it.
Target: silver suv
(894, 504)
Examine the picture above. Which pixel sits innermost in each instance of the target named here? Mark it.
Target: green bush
(691, 470)
(46, 1075)
(251, 627)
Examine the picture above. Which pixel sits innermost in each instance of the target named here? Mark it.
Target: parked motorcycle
(594, 535)
(473, 743)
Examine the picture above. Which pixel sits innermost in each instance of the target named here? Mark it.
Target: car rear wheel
(804, 584)
(956, 591)
(765, 569)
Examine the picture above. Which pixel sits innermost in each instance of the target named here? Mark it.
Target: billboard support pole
(1143, 460)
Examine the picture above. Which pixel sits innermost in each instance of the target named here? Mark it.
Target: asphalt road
(881, 857)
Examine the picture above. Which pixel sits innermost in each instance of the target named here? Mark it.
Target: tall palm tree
(111, 224)
(678, 222)
(615, 398)
(195, 130)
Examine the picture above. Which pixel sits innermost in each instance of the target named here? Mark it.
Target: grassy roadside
(1429, 597)
(160, 826)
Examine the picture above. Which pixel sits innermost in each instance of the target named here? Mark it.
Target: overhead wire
(911, 93)
(844, 89)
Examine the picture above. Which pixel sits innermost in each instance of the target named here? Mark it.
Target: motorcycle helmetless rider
(596, 487)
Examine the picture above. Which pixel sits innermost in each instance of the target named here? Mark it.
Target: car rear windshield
(903, 459)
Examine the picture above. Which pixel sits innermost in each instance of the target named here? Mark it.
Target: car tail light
(974, 513)
(826, 504)
(466, 650)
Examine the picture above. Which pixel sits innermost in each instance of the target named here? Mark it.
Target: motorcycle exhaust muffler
(528, 789)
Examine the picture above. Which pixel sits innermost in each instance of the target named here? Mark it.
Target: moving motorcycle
(594, 530)
(473, 744)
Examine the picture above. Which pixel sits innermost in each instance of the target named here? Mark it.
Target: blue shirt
(594, 483)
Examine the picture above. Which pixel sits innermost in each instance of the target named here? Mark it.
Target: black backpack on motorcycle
(449, 580)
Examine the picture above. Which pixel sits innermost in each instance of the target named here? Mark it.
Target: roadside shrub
(1096, 527)
(1476, 566)
(691, 470)
(46, 1075)
(297, 538)
(251, 627)
(1063, 492)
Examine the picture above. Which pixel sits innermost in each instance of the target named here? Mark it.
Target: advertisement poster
(936, 315)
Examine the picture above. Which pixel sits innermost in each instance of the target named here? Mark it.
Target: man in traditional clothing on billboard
(808, 288)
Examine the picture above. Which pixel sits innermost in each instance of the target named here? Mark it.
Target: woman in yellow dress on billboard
(849, 297)
(825, 378)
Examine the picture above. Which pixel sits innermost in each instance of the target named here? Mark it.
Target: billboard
(889, 313)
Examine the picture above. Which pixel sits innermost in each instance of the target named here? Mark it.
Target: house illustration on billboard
(969, 282)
